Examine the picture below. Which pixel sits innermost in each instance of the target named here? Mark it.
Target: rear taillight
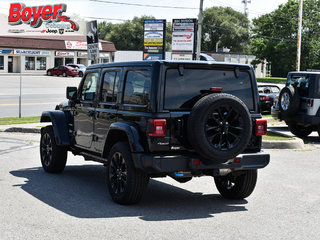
(264, 98)
(310, 102)
(261, 127)
(159, 127)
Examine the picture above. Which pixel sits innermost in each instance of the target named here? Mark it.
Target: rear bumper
(301, 119)
(156, 163)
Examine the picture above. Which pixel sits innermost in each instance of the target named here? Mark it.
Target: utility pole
(299, 35)
(199, 30)
(245, 2)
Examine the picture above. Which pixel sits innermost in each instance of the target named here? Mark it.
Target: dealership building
(36, 54)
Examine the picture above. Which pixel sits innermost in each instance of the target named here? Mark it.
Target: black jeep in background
(161, 118)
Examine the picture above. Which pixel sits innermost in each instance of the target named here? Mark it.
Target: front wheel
(80, 74)
(126, 184)
(237, 186)
(53, 157)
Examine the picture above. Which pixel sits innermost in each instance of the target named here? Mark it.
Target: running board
(91, 157)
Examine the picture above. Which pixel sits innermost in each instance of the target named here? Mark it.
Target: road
(39, 93)
(76, 205)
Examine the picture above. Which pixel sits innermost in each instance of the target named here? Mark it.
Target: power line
(142, 5)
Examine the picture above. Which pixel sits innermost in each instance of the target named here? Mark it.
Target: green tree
(226, 27)
(129, 34)
(275, 37)
(103, 29)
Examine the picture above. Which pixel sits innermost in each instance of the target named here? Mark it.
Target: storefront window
(68, 61)
(58, 62)
(30, 63)
(41, 63)
(1, 63)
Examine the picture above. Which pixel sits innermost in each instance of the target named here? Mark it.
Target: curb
(295, 143)
(22, 130)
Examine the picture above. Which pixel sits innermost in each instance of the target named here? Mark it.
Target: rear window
(301, 82)
(180, 90)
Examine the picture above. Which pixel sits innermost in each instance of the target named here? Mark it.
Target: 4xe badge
(36, 15)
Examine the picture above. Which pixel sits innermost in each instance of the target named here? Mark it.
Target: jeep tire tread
(237, 187)
(219, 127)
(53, 157)
(300, 131)
(126, 184)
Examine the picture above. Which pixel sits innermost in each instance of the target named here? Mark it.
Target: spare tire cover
(289, 101)
(219, 127)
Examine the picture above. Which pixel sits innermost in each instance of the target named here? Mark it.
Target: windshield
(181, 90)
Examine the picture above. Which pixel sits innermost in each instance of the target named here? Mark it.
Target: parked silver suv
(299, 103)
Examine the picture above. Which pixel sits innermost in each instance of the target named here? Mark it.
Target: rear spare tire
(219, 127)
(289, 101)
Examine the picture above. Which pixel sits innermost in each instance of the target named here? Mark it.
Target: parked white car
(81, 68)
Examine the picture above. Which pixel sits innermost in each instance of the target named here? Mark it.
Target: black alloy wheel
(118, 173)
(224, 128)
(53, 157)
(46, 149)
(126, 184)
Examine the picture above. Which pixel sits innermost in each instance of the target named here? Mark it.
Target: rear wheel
(299, 130)
(64, 74)
(126, 184)
(237, 186)
(53, 157)
(80, 74)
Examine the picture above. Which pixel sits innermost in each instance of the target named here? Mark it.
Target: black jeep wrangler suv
(161, 118)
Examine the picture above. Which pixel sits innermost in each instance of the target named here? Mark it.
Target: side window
(110, 87)
(88, 89)
(137, 87)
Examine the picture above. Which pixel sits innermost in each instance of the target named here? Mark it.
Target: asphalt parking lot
(76, 204)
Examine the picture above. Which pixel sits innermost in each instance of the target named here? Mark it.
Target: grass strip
(16, 120)
(271, 80)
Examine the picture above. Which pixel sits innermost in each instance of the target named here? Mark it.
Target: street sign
(92, 40)
(154, 39)
(184, 39)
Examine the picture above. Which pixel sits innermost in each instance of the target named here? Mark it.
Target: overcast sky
(97, 9)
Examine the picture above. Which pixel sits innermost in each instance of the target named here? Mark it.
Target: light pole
(299, 35)
(199, 30)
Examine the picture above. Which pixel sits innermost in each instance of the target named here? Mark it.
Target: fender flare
(60, 127)
(132, 134)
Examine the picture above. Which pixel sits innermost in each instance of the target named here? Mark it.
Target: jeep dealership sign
(35, 15)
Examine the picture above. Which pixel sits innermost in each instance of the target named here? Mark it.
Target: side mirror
(71, 93)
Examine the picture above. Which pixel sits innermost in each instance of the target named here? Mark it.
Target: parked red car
(63, 70)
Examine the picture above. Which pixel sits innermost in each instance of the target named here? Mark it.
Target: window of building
(68, 61)
(89, 87)
(110, 87)
(1, 62)
(41, 63)
(137, 87)
(30, 63)
(58, 61)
